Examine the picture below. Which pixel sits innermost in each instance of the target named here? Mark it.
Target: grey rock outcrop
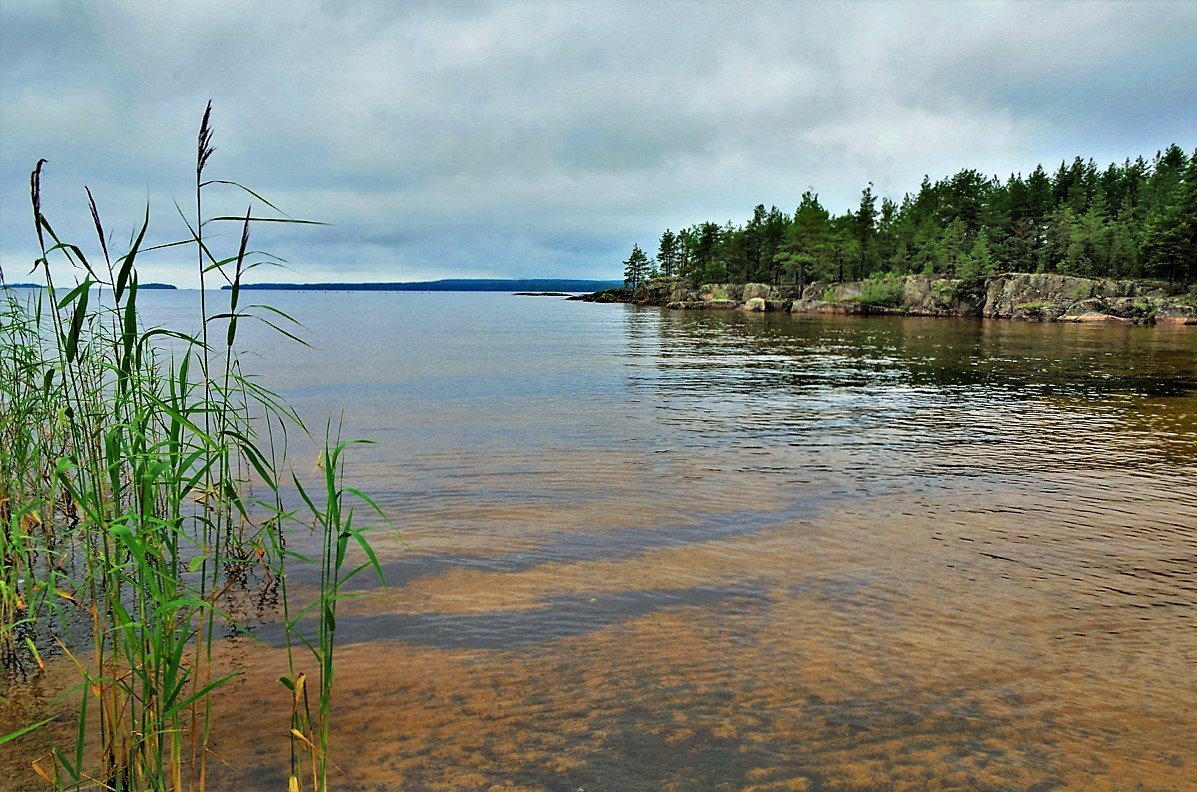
(1034, 297)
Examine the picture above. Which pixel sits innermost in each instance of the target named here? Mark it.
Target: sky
(543, 139)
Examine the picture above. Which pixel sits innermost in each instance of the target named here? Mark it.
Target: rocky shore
(1021, 296)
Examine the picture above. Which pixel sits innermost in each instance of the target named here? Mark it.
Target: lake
(652, 550)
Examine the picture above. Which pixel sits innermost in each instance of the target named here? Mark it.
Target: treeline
(1134, 220)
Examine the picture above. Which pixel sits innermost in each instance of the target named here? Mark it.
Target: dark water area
(654, 550)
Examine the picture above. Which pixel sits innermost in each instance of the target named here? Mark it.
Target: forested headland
(1137, 220)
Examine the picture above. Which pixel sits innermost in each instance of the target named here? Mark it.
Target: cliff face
(1024, 296)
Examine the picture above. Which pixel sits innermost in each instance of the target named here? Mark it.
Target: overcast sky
(543, 139)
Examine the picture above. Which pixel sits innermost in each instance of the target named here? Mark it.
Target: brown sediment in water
(860, 606)
(878, 644)
(873, 659)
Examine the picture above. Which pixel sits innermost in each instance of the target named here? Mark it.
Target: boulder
(755, 304)
(1089, 306)
(1037, 312)
(818, 290)
(702, 305)
(721, 291)
(1177, 312)
(660, 291)
(1093, 317)
(758, 290)
(803, 306)
(844, 308)
(1074, 296)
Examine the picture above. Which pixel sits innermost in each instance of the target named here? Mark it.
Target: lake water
(657, 550)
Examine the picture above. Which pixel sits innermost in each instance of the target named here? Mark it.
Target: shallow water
(686, 550)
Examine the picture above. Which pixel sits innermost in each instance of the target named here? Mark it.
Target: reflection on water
(684, 550)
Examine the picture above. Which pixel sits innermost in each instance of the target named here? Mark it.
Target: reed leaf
(138, 470)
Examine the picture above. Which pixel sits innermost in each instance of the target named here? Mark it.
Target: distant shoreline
(166, 286)
(538, 285)
(535, 286)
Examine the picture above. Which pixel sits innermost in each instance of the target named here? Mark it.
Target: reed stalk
(125, 516)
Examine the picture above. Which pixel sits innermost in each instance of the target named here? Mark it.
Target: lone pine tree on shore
(635, 268)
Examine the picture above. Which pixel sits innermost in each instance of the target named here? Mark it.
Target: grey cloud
(545, 138)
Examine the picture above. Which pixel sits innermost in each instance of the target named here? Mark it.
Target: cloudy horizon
(544, 139)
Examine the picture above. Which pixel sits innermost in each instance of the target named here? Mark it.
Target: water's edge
(1021, 296)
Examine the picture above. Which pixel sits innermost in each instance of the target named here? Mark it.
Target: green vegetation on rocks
(886, 292)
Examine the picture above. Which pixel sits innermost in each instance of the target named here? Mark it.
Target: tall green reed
(334, 521)
(127, 456)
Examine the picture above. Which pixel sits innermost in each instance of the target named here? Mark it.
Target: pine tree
(805, 244)
(635, 268)
(1171, 244)
(866, 229)
(979, 262)
(667, 254)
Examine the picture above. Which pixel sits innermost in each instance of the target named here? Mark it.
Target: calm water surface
(683, 550)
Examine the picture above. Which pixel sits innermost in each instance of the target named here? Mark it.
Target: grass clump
(127, 459)
(944, 291)
(883, 291)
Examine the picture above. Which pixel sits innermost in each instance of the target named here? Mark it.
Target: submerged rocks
(606, 296)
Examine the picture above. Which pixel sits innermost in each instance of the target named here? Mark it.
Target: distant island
(450, 284)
